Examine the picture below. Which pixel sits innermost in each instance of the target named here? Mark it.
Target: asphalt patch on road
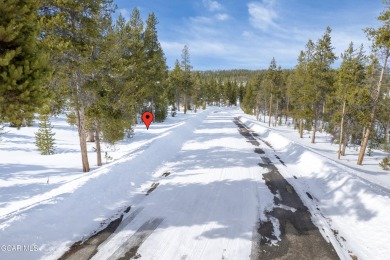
(129, 249)
(244, 132)
(282, 163)
(259, 151)
(166, 174)
(152, 188)
(87, 249)
(280, 160)
(299, 237)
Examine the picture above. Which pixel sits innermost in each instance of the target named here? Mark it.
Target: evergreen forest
(72, 57)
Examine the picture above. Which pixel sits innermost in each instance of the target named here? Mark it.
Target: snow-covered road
(206, 208)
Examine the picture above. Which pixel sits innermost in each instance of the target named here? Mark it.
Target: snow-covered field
(47, 203)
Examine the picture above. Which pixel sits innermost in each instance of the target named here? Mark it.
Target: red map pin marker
(147, 117)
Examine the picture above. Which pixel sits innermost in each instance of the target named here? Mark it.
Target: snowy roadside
(29, 181)
(351, 211)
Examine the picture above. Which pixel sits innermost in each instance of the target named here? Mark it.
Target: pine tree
(271, 87)
(296, 83)
(285, 102)
(44, 138)
(383, 118)
(187, 80)
(350, 81)
(381, 46)
(23, 64)
(248, 102)
(279, 90)
(233, 94)
(155, 70)
(72, 31)
(105, 114)
(196, 94)
(134, 78)
(241, 92)
(127, 61)
(176, 83)
(323, 77)
(301, 91)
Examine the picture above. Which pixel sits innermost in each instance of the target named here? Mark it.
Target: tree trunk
(387, 137)
(153, 110)
(373, 112)
(91, 136)
(185, 103)
(83, 139)
(341, 130)
(364, 131)
(313, 137)
(295, 124)
(301, 128)
(98, 149)
(287, 110)
(178, 100)
(270, 111)
(276, 112)
(322, 116)
(345, 144)
(264, 110)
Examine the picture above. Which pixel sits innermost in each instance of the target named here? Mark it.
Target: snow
(208, 205)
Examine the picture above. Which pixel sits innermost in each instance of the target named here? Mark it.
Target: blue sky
(235, 34)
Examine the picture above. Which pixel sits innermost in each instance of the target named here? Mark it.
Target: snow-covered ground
(208, 162)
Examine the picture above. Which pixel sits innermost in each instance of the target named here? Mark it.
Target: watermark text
(19, 248)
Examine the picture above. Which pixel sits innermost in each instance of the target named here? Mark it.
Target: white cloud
(212, 5)
(342, 38)
(222, 17)
(262, 14)
(125, 13)
(215, 41)
(200, 20)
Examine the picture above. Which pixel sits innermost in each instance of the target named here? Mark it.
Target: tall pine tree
(350, 81)
(381, 46)
(323, 77)
(155, 70)
(187, 80)
(175, 85)
(72, 31)
(23, 64)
